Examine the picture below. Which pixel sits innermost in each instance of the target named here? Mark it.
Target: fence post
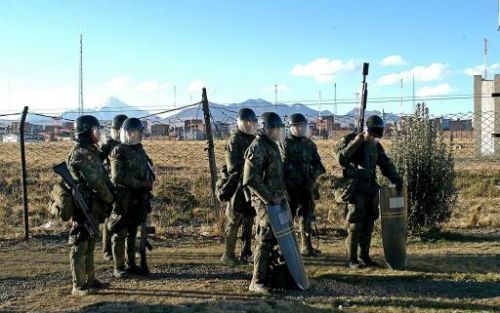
(211, 158)
(24, 184)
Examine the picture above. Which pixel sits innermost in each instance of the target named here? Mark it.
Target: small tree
(427, 164)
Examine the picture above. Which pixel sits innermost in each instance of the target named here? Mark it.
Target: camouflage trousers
(360, 215)
(81, 258)
(302, 206)
(233, 222)
(124, 247)
(106, 239)
(265, 244)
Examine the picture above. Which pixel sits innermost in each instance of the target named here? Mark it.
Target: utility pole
(319, 106)
(80, 93)
(401, 94)
(485, 58)
(413, 83)
(275, 96)
(335, 98)
(175, 96)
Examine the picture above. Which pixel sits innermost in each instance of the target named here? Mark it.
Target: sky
(140, 51)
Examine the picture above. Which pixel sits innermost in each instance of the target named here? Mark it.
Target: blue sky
(138, 51)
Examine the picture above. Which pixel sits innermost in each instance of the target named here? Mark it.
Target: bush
(427, 164)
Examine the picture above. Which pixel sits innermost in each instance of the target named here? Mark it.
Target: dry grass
(182, 192)
(455, 272)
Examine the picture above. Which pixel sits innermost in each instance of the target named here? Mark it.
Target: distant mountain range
(228, 113)
(224, 113)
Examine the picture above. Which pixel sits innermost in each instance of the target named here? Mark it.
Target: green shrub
(427, 164)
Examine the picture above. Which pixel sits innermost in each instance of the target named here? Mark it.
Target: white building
(486, 117)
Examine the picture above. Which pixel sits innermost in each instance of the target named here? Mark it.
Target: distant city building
(159, 130)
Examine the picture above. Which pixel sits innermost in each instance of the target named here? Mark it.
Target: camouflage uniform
(129, 171)
(358, 161)
(302, 166)
(263, 175)
(239, 211)
(106, 236)
(85, 165)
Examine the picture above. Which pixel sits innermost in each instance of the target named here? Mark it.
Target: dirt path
(458, 272)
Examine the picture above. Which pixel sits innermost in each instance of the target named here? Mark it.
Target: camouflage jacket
(363, 162)
(107, 147)
(263, 170)
(129, 171)
(301, 163)
(85, 165)
(235, 159)
(235, 151)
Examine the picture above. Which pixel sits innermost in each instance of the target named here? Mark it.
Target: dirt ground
(457, 271)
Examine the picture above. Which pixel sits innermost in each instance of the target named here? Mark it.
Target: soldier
(239, 211)
(132, 178)
(105, 150)
(86, 168)
(302, 166)
(358, 155)
(263, 176)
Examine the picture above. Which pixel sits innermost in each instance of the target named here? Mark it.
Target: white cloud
(432, 72)
(479, 69)
(323, 70)
(118, 83)
(439, 90)
(281, 88)
(196, 86)
(392, 60)
(152, 85)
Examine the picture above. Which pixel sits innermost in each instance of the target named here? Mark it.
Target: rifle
(145, 228)
(62, 170)
(364, 96)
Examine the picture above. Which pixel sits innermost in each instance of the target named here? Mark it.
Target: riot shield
(282, 225)
(393, 211)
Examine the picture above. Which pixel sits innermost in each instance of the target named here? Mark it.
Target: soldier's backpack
(61, 203)
(226, 185)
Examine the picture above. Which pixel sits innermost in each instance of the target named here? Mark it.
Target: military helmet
(132, 123)
(247, 114)
(85, 124)
(297, 118)
(271, 120)
(375, 125)
(118, 121)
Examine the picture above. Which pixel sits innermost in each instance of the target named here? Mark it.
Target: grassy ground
(457, 271)
(182, 195)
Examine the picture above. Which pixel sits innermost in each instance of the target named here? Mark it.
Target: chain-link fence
(178, 146)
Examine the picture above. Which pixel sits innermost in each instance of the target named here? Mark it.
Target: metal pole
(211, 150)
(24, 185)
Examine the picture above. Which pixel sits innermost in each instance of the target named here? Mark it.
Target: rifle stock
(62, 170)
(145, 229)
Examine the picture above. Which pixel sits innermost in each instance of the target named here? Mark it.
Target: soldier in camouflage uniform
(86, 168)
(263, 176)
(239, 211)
(302, 166)
(358, 155)
(105, 151)
(132, 177)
